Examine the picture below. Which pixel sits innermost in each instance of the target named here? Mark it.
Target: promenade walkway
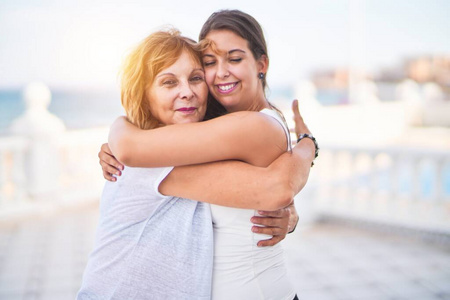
(44, 257)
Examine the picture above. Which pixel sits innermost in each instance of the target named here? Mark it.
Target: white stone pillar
(42, 161)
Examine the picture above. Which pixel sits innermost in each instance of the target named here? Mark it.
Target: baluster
(18, 174)
(437, 208)
(372, 187)
(412, 198)
(384, 163)
(395, 185)
(352, 185)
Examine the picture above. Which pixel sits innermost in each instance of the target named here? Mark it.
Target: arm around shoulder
(248, 136)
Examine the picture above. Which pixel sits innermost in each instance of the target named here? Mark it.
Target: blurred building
(429, 68)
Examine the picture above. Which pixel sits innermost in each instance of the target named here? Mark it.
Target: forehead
(185, 62)
(222, 41)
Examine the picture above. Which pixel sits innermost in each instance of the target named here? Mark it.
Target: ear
(263, 64)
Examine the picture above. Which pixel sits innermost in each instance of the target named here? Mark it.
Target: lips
(226, 88)
(187, 110)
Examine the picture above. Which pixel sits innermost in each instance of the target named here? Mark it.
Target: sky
(74, 44)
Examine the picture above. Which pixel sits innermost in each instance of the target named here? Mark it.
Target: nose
(186, 92)
(222, 70)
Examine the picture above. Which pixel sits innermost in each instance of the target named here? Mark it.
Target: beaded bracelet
(309, 136)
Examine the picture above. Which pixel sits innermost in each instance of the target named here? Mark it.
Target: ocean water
(77, 108)
(86, 108)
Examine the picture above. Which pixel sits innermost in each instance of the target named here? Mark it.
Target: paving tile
(45, 259)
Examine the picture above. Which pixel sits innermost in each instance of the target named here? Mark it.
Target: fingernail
(261, 212)
(118, 173)
(255, 229)
(114, 179)
(122, 167)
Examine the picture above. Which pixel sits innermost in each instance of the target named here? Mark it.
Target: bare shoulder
(253, 121)
(257, 137)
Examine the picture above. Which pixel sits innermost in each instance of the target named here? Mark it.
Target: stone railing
(74, 158)
(44, 165)
(393, 185)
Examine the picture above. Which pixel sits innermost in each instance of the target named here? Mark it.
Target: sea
(83, 108)
(78, 109)
(86, 108)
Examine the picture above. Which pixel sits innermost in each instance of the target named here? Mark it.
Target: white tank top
(242, 270)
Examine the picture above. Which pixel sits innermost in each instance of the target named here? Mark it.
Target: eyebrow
(164, 74)
(236, 50)
(171, 74)
(229, 52)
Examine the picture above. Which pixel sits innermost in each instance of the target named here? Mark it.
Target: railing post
(42, 129)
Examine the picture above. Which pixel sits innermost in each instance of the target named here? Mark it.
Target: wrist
(306, 136)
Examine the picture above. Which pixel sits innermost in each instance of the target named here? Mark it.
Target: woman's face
(179, 93)
(232, 71)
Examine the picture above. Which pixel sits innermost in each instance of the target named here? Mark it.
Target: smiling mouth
(226, 88)
(187, 110)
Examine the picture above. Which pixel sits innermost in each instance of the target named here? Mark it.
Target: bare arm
(251, 137)
(237, 184)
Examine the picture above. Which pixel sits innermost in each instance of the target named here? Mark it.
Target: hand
(293, 219)
(275, 223)
(110, 165)
(300, 126)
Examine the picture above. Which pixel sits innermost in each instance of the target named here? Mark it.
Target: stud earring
(261, 75)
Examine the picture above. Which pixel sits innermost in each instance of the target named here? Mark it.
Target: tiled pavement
(43, 258)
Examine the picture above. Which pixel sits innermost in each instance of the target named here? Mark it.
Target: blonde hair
(158, 51)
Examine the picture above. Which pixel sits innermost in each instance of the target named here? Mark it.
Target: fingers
(300, 126)
(275, 214)
(274, 223)
(110, 169)
(105, 148)
(271, 222)
(109, 176)
(110, 165)
(295, 109)
(106, 158)
(274, 231)
(271, 242)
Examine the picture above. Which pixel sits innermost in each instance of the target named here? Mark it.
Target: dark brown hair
(244, 26)
(241, 24)
(247, 28)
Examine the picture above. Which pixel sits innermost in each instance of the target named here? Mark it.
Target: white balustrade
(42, 162)
(402, 186)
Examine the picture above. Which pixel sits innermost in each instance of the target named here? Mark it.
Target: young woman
(235, 61)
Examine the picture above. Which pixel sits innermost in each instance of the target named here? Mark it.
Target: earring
(261, 75)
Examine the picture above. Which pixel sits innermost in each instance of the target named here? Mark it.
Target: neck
(258, 103)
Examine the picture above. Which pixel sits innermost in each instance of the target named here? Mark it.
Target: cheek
(161, 105)
(202, 95)
(209, 76)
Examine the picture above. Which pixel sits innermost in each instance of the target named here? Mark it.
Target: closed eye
(235, 60)
(208, 63)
